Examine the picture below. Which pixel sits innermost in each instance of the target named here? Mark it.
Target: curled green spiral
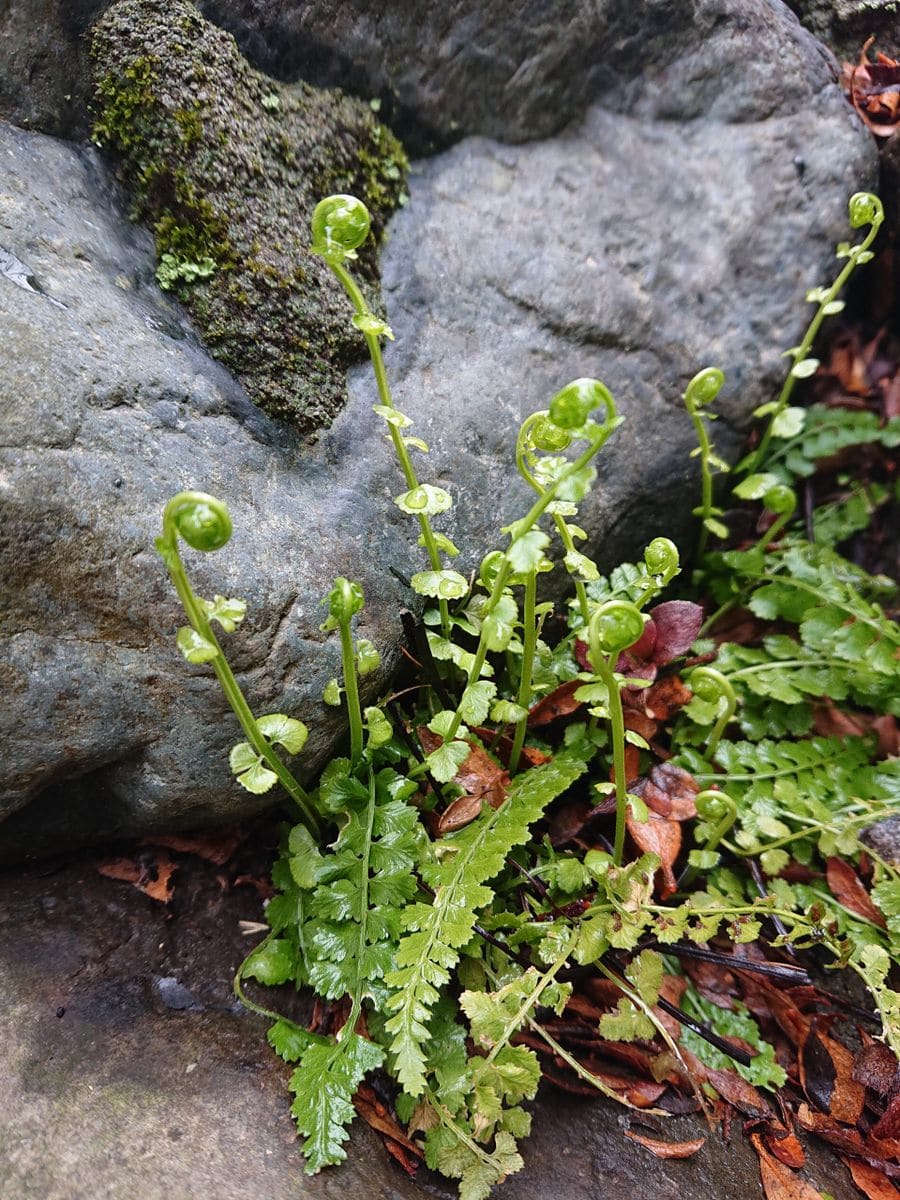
(340, 224)
(571, 406)
(200, 519)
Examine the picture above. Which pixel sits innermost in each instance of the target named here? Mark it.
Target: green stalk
(524, 526)
(706, 503)
(351, 689)
(529, 644)
(757, 458)
(384, 393)
(604, 669)
(230, 686)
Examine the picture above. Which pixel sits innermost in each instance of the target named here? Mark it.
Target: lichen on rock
(226, 165)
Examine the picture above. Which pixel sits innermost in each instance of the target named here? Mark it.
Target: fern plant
(427, 896)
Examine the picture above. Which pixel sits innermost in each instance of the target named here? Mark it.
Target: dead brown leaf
(872, 1183)
(779, 1181)
(669, 791)
(847, 887)
(876, 1067)
(153, 876)
(889, 1124)
(658, 836)
(666, 1149)
(376, 1115)
(787, 1149)
(873, 89)
(560, 702)
(215, 846)
(458, 814)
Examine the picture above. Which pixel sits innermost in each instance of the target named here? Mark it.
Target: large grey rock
(637, 246)
(523, 69)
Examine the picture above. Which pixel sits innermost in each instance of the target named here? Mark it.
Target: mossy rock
(226, 166)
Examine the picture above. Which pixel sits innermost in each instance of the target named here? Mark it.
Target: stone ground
(129, 1070)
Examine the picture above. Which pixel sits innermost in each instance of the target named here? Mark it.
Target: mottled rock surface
(128, 1069)
(226, 167)
(677, 225)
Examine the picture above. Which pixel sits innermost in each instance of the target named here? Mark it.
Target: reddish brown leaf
(502, 747)
(658, 836)
(787, 1149)
(664, 698)
(152, 877)
(215, 846)
(876, 1067)
(738, 1092)
(560, 702)
(826, 1073)
(779, 1182)
(889, 1125)
(666, 1149)
(848, 1141)
(479, 775)
(846, 887)
(670, 791)
(639, 722)
(678, 624)
(374, 1113)
(461, 812)
(872, 1183)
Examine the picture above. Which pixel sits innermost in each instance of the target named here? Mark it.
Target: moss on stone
(226, 164)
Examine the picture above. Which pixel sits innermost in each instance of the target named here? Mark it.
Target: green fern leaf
(323, 1087)
(435, 932)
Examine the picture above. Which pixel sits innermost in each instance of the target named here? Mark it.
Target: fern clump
(562, 810)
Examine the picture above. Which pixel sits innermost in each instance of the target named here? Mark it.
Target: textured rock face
(678, 225)
(226, 167)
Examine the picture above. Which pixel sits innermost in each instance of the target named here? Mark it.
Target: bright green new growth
(204, 523)
(784, 422)
(416, 934)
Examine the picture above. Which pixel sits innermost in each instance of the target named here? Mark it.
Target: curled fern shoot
(527, 543)
(864, 209)
(700, 392)
(340, 224)
(205, 524)
(714, 688)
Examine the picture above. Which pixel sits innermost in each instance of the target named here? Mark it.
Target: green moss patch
(226, 165)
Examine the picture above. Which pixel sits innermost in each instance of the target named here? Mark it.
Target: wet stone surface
(128, 1069)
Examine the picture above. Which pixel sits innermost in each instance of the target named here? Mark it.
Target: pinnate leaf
(323, 1087)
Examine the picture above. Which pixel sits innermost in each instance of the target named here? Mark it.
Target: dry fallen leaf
(666, 1149)
(458, 814)
(215, 846)
(779, 1181)
(151, 875)
(787, 1149)
(560, 702)
(847, 887)
(873, 1184)
(662, 837)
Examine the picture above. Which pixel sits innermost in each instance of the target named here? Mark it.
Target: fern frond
(826, 432)
(437, 931)
(821, 784)
(323, 1087)
(357, 892)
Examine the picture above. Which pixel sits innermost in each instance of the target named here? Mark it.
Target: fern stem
(529, 643)
(232, 690)
(469, 1142)
(384, 392)
(617, 722)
